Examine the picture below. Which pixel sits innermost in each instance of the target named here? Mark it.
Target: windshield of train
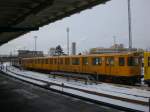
(133, 61)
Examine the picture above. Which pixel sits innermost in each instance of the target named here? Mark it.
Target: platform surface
(18, 96)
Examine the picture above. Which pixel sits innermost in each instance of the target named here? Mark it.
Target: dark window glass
(55, 61)
(46, 61)
(96, 61)
(133, 61)
(85, 61)
(61, 60)
(51, 61)
(121, 61)
(75, 61)
(67, 61)
(36, 61)
(41, 61)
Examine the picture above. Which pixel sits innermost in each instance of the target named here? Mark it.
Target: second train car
(147, 67)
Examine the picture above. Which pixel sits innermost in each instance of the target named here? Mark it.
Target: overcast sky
(91, 28)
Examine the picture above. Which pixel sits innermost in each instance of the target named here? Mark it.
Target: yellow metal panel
(146, 67)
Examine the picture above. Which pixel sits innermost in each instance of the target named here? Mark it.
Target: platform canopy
(18, 17)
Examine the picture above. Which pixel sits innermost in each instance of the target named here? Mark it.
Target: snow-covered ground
(105, 99)
(104, 88)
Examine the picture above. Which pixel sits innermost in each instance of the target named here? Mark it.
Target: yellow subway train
(114, 67)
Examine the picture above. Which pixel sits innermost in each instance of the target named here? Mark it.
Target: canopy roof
(18, 17)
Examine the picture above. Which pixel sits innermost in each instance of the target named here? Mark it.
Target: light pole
(115, 44)
(129, 23)
(35, 38)
(68, 40)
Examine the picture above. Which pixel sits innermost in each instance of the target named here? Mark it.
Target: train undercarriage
(94, 77)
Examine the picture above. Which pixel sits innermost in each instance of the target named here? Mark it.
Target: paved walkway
(17, 96)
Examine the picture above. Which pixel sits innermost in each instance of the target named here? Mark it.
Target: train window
(30, 61)
(41, 61)
(46, 61)
(75, 61)
(38, 61)
(67, 61)
(51, 60)
(85, 60)
(35, 61)
(61, 60)
(121, 61)
(110, 61)
(55, 61)
(96, 61)
(148, 61)
(133, 61)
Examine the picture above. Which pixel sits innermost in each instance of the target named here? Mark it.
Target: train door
(147, 67)
(85, 63)
(109, 62)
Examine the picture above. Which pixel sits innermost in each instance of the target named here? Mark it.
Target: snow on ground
(27, 79)
(130, 93)
(109, 89)
(104, 99)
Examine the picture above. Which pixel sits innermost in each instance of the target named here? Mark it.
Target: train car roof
(89, 55)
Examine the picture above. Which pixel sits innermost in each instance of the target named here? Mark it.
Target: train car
(16, 62)
(114, 67)
(147, 67)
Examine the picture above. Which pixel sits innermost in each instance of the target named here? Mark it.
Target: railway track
(51, 85)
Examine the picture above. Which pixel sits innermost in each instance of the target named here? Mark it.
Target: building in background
(116, 48)
(73, 48)
(28, 54)
(52, 51)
